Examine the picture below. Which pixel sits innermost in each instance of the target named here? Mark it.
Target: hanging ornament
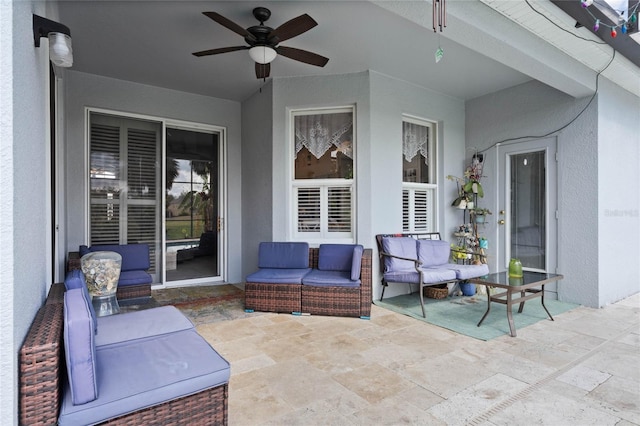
(633, 18)
(596, 26)
(440, 14)
(614, 33)
(623, 28)
(586, 3)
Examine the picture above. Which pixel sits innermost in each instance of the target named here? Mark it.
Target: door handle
(501, 222)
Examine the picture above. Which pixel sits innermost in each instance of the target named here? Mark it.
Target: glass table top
(528, 278)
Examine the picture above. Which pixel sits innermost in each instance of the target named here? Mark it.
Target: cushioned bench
(170, 375)
(135, 281)
(334, 279)
(423, 261)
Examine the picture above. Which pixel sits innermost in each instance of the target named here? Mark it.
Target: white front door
(527, 204)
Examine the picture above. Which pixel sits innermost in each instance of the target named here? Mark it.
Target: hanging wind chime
(439, 14)
(439, 21)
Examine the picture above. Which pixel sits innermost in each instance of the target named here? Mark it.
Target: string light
(623, 24)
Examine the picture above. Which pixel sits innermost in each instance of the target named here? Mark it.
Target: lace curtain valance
(321, 132)
(415, 140)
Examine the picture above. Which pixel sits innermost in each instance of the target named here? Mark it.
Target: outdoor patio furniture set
(422, 259)
(332, 279)
(136, 368)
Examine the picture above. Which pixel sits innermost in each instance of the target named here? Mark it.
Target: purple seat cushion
(465, 272)
(341, 257)
(437, 275)
(79, 348)
(402, 277)
(144, 324)
(134, 256)
(75, 279)
(142, 373)
(356, 263)
(433, 253)
(399, 246)
(318, 278)
(134, 278)
(283, 255)
(278, 276)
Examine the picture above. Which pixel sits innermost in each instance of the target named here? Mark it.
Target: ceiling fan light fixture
(262, 54)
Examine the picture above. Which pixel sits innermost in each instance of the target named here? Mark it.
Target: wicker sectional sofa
(333, 279)
(184, 383)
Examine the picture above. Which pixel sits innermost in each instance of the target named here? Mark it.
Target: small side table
(525, 286)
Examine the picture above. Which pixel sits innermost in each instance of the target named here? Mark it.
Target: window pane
(416, 145)
(528, 221)
(324, 146)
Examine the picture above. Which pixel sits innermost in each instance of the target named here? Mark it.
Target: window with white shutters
(124, 182)
(323, 182)
(419, 187)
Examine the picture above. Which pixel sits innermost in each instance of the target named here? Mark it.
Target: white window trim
(315, 239)
(433, 174)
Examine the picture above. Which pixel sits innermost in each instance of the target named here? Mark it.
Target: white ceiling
(151, 42)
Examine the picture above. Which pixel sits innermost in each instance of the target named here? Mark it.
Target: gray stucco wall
(313, 92)
(257, 181)
(618, 157)
(390, 99)
(380, 102)
(536, 109)
(25, 237)
(87, 90)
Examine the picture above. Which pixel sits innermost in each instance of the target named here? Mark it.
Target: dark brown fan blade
(220, 50)
(302, 56)
(263, 70)
(292, 28)
(229, 24)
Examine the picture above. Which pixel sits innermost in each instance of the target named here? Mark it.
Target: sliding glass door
(192, 193)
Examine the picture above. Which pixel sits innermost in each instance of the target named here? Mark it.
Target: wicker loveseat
(317, 281)
(43, 368)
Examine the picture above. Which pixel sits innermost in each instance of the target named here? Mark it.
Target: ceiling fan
(264, 42)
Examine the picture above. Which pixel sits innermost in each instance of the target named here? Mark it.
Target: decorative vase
(101, 271)
(468, 289)
(515, 268)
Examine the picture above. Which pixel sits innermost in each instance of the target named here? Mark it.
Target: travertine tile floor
(582, 369)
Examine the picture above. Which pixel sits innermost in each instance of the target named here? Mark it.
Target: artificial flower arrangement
(469, 185)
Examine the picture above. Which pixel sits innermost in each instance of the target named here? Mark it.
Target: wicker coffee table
(524, 286)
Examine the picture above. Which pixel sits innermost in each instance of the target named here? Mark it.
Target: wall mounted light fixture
(60, 50)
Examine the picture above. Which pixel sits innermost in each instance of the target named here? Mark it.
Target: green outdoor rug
(461, 314)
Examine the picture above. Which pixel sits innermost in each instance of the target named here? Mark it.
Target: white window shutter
(308, 209)
(339, 209)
